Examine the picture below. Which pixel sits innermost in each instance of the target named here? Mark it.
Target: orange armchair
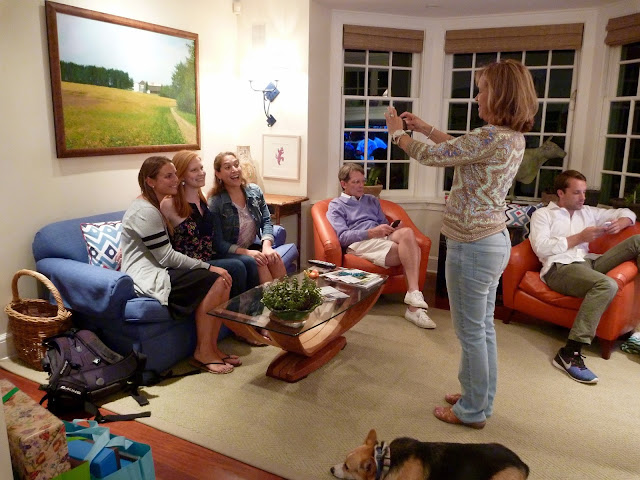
(327, 246)
(524, 291)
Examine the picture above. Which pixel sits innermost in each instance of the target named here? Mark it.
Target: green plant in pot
(292, 300)
(372, 183)
(630, 201)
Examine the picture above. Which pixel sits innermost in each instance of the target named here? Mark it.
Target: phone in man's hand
(395, 223)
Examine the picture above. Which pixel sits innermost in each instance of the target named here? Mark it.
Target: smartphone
(606, 224)
(395, 223)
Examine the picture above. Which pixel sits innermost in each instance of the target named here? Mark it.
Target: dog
(410, 459)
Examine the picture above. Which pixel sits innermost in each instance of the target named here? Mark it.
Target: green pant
(588, 280)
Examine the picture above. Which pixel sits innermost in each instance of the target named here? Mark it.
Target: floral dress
(194, 236)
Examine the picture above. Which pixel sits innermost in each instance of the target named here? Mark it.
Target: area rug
(389, 377)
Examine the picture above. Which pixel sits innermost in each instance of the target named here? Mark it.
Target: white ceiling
(458, 8)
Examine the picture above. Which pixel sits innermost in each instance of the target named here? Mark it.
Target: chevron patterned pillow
(103, 243)
(520, 215)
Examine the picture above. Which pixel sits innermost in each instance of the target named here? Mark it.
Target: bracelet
(395, 136)
(433, 127)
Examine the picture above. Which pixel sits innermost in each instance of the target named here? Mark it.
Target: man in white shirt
(560, 236)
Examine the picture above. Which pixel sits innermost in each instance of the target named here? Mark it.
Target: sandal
(445, 414)
(205, 366)
(452, 398)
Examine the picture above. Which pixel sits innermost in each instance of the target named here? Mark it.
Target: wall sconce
(269, 94)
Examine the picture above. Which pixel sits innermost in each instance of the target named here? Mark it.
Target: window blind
(623, 30)
(357, 37)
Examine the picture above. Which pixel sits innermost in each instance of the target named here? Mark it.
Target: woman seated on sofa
(182, 283)
(191, 226)
(241, 213)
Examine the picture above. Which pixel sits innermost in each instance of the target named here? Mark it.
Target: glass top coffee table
(309, 344)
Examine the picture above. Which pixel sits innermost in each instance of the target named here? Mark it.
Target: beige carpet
(389, 377)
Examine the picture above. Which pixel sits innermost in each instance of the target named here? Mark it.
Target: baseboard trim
(7, 349)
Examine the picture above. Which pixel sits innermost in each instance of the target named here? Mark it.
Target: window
(621, 156)
(380, 68)
(372, 81)
(553, 74)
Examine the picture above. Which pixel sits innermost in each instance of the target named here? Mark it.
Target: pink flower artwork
(280, 155)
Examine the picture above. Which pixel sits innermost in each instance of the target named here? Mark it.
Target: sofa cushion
(103, 243)
(520, 215)
(534, 286)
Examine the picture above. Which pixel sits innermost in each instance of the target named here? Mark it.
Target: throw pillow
(103, 243)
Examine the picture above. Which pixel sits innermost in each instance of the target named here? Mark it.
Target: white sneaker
(419, 318)
(415, 299)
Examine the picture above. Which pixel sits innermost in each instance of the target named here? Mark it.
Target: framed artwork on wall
(281, 157)
(119, 85)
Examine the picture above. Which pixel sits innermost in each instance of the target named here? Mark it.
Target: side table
(283, 206)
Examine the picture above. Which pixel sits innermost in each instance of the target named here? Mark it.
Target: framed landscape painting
(120, 85)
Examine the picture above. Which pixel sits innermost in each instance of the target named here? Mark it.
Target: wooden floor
(177, 459)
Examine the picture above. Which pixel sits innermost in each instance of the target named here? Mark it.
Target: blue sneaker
(575, 367)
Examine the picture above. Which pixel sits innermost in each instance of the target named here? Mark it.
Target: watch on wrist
(395, 136)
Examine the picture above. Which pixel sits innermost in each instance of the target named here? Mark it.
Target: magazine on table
(355, 277)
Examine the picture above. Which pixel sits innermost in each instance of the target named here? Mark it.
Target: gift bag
(139, 469)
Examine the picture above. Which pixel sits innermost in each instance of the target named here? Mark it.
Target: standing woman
(485, 163)
(184, 284)
(241, 213)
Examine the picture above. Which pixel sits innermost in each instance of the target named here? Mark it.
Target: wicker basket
(31, 321)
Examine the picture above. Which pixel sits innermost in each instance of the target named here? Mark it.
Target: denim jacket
(227, 220)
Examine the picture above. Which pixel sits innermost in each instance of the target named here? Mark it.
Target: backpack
(83, 370)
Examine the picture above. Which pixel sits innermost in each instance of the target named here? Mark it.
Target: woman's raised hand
(414, 122)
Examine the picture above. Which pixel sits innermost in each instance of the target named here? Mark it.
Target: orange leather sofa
(525, 292)
(327, 246)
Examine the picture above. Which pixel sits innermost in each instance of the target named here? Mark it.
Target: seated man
(364, 231)
(560, 236)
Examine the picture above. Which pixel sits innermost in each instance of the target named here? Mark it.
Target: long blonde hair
(181, 160)
(511, 95)
(218, 185)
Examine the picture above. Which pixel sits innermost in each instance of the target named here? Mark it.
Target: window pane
(536, 59)
(628, 80)
(397, 153)
(402, 59)
(609, 187)
(462, 60)
(351, 141)
(476, 121)
(354, 111)
(378, 58)
(379, 170)
(631, 51)
(461, 84)
(399, 176)
(365, 149)
(485, 58)
(546, 180)
(560, 83)
(619, 117)
(457, 116)
(355, 56)
(401, 83)
(614, 154)
(556, 117)
(635, 128)
(539, 80)
(562, 57)
(380, 146)
(376, 113)
(402, 107)
(511, 55)
(537, 121)
(353, 81)
(633, 164)
(378, 82)
(532, 141)
(631, 185)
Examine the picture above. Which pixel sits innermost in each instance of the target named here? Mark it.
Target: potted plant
(372, 184)
(291, 300)
(630, 201)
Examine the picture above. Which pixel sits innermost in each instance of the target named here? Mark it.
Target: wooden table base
(291, 367)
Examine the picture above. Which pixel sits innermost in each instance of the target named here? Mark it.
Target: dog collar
(382, 456)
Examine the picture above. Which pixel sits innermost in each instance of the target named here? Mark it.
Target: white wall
(40, 188)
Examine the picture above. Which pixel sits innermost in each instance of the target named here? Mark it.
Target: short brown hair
(561, 182)
(347, 168)
(511, 95)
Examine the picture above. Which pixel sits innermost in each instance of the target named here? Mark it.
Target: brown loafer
(452, 398)
(446, 415)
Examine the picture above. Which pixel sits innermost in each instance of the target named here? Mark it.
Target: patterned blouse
(194, 236)
(485, 163)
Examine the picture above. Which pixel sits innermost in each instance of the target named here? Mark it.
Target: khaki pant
(588, 280)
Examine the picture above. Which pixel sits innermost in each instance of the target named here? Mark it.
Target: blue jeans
(243, 270)
(473, 271)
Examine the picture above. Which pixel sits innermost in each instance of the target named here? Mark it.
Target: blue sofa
(105, 302)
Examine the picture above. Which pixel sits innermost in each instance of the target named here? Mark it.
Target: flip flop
(204, 366)
(232, 360)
